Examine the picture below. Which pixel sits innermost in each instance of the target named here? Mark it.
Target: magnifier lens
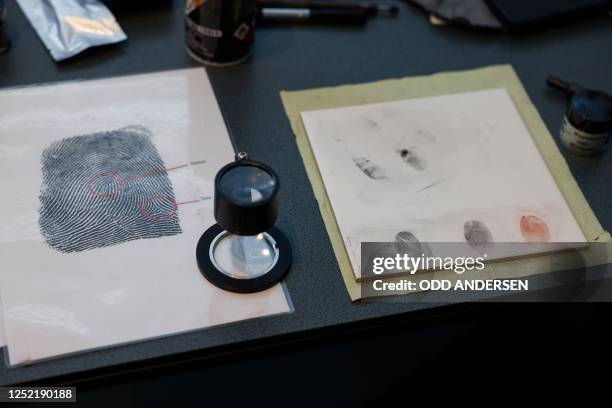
(247, 184)
(244, 252)
(244, 257)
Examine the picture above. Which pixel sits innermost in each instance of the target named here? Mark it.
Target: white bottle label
(579, 142)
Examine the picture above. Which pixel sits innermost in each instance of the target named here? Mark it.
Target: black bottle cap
(591, 111)
(246, 197)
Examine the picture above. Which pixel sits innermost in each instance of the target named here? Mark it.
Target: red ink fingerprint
(91, 185)
(534, 229)
(152, 200)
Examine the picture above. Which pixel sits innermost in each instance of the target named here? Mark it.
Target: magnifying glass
(244, 252)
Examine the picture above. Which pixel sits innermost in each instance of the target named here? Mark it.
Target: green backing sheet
(501, 76)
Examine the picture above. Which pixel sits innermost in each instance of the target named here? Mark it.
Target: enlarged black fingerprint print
(105, 189)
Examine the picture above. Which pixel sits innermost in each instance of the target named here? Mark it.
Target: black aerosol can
(220, 32)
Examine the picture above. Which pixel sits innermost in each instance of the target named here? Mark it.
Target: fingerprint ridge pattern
(104, 189)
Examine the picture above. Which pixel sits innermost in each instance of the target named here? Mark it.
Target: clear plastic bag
(70, 27)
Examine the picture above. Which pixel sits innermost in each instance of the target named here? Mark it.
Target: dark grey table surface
(300, 57)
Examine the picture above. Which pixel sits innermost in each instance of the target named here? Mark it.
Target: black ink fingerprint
(410, 244)
(413, 160)
(369, 169)
(105, 189)
(476, 233)
(406, 237)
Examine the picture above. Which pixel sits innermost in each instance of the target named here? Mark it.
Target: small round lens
(247, 184)
(244, 257)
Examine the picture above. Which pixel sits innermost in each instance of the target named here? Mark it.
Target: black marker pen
(302, 15)
(371, 8)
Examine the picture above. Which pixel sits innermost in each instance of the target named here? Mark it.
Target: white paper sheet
(130, 273)
(451, 168)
